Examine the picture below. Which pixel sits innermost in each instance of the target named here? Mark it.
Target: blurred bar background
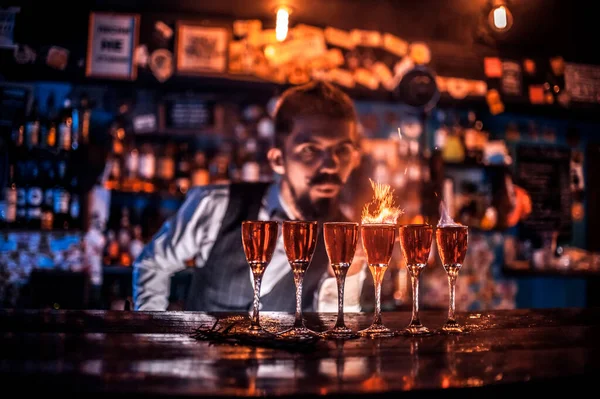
(112, 111)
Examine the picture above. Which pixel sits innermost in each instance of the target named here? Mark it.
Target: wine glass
(259, 239)
(299, 240)
(340, 242)
(378, 242)
(452, 244)
(415, 240)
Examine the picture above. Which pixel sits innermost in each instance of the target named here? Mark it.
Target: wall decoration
(201, 49)
(112, 40)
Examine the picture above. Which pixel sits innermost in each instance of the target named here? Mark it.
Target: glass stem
(377, 318)
(298, 279)
(340, 276)
(452, 288)
(255, 321)
(414, 277)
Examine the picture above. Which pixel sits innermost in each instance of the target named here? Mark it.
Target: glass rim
(341, 223)
(387, 225)
(300, 222)
(452, 226)
(427, 225)
(259, 221)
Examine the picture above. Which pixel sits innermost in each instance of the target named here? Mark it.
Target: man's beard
(321, 209)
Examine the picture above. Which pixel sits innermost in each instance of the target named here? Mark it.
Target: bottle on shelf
(147, 168)
(62, 197)
(9, 215)
(50, 132)
(65, 127)
(182, 173)
(33, 127)
(200, 173)
(165, 169)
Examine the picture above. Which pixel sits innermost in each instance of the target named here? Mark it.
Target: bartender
(315, 151)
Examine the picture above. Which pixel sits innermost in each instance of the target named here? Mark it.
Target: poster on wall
(7, 26)
(201, 49)
(112, 39)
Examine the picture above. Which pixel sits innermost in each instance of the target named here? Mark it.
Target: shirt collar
(274, 204)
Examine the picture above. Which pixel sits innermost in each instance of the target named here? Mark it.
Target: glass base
(415, 329)
(340, 333)
(376, 331)
(257, 331)
(298, 333)
(452, 327)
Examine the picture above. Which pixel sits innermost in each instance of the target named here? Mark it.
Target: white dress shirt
(192, 231)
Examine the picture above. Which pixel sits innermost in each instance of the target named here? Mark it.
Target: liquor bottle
(219, 169)
(165, 170)
(111, 253)
(32, 128)
(182, 174)
(147, 169)
(137, 245)
(85, 119)
(22, 186)
(49, 132)
(200, 174)
(48, 176)
(251, 167)
(35, 195)
(124, 238)
(10, 199)
(131, 181)
(75, 221)
(62, 197)
(65, 127)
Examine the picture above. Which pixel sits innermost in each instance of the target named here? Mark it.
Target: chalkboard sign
(582, 82)
(544, 172)
(188, 112)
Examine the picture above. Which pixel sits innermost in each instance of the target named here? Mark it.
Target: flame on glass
(382, 208)
(445, 218)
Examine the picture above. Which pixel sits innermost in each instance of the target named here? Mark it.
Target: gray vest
(224, 283)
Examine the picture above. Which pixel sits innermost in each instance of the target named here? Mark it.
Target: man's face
(317, 160)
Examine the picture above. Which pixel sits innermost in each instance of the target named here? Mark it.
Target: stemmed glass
(259, 239)
(415, 242)
(452, 244)
(299, 240)
(340, 242)
(378, 243)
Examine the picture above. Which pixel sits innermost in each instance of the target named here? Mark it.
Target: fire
(382, 208)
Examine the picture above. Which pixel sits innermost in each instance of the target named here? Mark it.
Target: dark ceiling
(541, 27)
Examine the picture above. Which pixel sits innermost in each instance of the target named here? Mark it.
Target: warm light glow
(500, 18)
(269, 51)
(283, 19)
(382, 208)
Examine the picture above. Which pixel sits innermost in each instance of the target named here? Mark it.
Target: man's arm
(190, 232)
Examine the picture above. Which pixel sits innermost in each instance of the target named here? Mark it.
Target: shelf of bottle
(525, 269)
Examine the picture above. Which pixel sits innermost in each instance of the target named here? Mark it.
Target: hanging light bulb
(500, 17)
(282, 23)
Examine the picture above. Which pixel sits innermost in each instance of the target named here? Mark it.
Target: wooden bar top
(153, 353)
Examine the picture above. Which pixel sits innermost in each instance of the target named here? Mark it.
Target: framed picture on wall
(201, 49)
(112, 40)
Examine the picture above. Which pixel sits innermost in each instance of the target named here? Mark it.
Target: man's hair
(316, 98)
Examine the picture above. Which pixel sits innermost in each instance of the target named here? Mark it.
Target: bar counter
(154, 354)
